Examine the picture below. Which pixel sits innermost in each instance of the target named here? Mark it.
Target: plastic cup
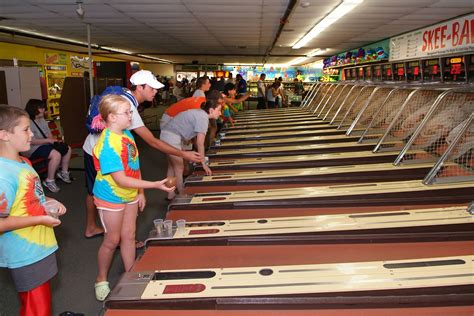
(51, 208)
(181, 226)
(168, 226)
(158, 226)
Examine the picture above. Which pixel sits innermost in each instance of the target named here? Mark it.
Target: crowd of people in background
(269, 95)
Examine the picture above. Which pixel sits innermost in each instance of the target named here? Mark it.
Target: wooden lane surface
(286, 178)
(265, 123)
(415, 311)
(268, 280)
(293, 140)
(277, 111)
(409, 223)
(254, 132)
(277, 123)
(301, 161)
(300, 132)
(337, 190)
(270, 111)
(298, 149)
(202, 257)
(412, 192)
(230, 214)
(411, 255)
(274, 116)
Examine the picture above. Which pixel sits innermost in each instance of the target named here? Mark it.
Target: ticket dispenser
(387, 72)
(413, 71)
(377, 73)
(400, 72)
(454, 69)
(432, 70)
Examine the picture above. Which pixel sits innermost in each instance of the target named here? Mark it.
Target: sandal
(102, 289)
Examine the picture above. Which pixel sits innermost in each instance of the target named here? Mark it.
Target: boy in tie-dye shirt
(27, 241)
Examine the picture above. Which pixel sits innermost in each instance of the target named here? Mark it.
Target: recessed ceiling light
(305, 4)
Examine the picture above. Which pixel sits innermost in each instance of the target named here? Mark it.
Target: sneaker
(51, 185)
(64, 176)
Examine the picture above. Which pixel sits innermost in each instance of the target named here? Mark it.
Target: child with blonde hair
(118, 187)
(27, 241)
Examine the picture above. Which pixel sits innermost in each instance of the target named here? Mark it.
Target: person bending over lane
(184, 127)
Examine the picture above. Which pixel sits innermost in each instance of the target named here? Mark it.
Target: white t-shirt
(261, 86)
(91, 139)
(270, 96)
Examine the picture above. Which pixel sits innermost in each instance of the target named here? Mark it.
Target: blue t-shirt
(21, 194)
(242, 86)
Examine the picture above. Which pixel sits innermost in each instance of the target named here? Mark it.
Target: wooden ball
(170, 182)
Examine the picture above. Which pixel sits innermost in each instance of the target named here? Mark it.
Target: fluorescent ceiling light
(297, 61)
(333, 16)
(46, 36)
(76, 42)
(240, 64)
(156, 58)
(314, 52)
(117, 50)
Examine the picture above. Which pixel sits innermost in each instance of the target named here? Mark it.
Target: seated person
(44, 145)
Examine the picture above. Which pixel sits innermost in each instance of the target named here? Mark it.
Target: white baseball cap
(145, 77)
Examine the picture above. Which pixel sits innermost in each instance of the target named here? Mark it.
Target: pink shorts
(109, 207)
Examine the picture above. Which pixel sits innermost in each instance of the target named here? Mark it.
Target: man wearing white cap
(144, 87)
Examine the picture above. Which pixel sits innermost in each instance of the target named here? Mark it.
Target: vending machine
(55, 75)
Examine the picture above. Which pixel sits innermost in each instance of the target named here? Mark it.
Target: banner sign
(450, 37)
(55, 58)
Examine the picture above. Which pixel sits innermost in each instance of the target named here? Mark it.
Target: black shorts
(90, 173)
(42, 151)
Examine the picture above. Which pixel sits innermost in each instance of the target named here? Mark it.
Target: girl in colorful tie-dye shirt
(27, 241)
(118, 187)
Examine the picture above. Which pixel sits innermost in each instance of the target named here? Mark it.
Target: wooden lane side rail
(419, 311)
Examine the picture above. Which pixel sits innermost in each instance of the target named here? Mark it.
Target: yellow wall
(36, 54)
(159, 69)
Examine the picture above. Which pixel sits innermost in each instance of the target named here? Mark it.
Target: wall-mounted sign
(55, 58)
(79, 65)
(450, 37)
